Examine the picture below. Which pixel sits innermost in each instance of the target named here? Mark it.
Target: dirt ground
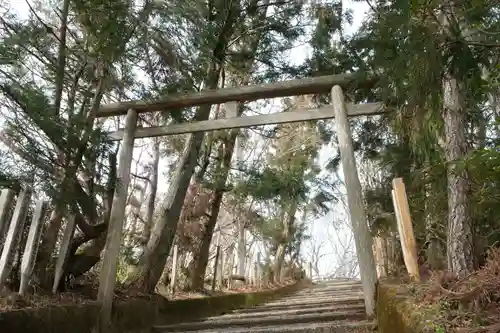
(88, 293)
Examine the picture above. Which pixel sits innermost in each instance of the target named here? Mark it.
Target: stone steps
(316, 308)
(267, 307)
(312, 300)
(334, 306)
(323, 327)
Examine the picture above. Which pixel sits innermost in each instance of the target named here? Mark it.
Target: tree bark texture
(287, 222)
(202, 258)
(459, 237)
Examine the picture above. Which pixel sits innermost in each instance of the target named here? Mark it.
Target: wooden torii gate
(338, 110)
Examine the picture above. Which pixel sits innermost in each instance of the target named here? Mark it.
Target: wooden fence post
(62, 257)
(405, 228)
(220, 269)
(107, 279)
(392, 253)
(6, 201)
(216, 264)
(13, 234)
(362, 236)
(248, 268)
(173, 274)
(241, 248)
(31, 248)
(230, 271)
(258, 271)
(380, 252)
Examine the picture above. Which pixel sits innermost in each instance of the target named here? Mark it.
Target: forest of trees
(437, 65)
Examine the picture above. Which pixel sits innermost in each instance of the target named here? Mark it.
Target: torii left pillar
(107, 279)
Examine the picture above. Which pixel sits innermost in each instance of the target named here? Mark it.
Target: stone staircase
(335, 306)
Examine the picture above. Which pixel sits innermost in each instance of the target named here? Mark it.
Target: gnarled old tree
(50, 123)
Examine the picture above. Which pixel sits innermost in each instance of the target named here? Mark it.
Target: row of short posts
(12, 225)
(255, 277)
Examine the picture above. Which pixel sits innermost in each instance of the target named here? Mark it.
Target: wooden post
(107, 279)
(216, 264)
(255, 276)
(220, 269)
(6, 201)
(362, 236)
(380, 253)
(392, 253)
(62, 257)
(31, 248)
(248, 268)
(173, 274)
(405, 228)
(258, 271)
(241, 248)
(13, 234)
(231, 109)
(230, 271)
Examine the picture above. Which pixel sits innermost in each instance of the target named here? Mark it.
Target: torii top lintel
(303, 86)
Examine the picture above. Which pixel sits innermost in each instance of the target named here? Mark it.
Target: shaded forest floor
(87, 293)
(459, 304)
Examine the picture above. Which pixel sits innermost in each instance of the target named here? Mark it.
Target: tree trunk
(220, 182)
(154, 189)
(47, 247)
(229, 149)
(136, 213)
(201, 261)
(280, 258)
(459, 238)
(61, 57)
(288, 222)
(230, 261)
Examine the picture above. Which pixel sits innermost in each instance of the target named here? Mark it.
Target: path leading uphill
(334, 307)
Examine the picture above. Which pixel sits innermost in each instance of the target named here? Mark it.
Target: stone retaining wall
(132, 315)
(394, 313)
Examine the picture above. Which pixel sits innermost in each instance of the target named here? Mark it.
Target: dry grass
(469, 304)
(12, 301)
(209, 293)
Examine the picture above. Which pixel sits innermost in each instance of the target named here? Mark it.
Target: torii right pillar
(362, 236)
